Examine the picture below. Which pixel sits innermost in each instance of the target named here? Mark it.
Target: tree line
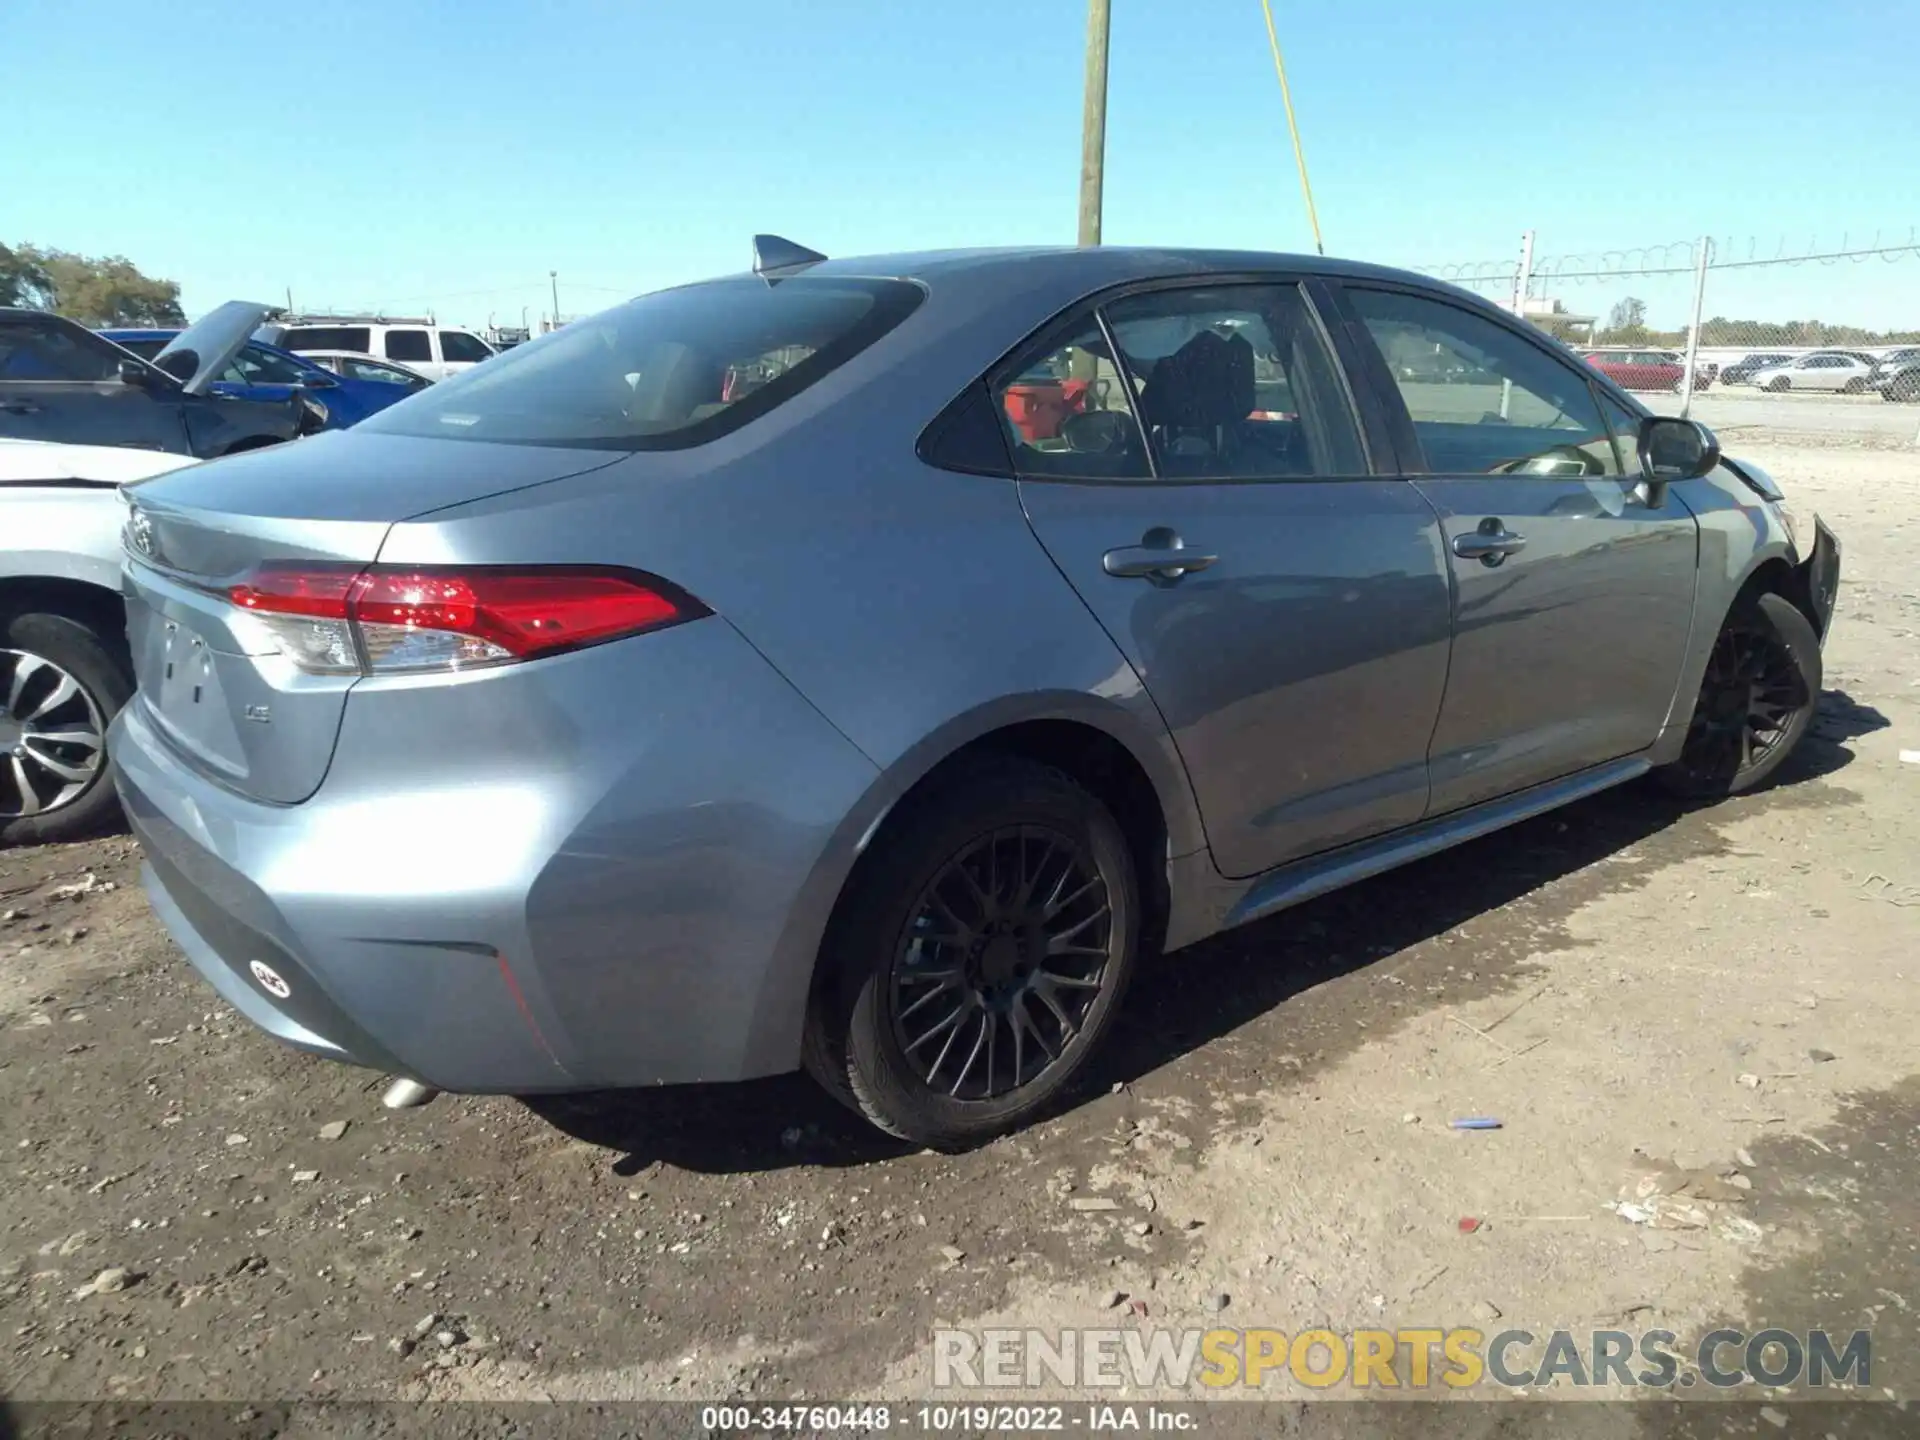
(95, 290)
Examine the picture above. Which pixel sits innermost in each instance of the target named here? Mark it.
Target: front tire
(61, 683)
(981, 954)
(1756, 701)
(1779, 384)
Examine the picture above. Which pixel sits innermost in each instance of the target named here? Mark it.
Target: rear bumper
(638, 903)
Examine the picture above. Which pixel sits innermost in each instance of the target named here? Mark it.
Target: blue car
(266, 372)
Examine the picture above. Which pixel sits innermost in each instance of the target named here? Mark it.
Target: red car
(1648, 369)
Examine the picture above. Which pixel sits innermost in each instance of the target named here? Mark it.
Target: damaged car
(62, 383)
(591, 720)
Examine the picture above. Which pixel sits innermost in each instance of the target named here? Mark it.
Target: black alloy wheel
(1761, 688)
(979, 954)
(1005, 955)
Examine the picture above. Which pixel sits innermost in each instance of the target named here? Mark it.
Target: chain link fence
(1673, 323)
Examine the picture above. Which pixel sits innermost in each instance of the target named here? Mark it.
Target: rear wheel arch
(1094, 756)
(101, 610)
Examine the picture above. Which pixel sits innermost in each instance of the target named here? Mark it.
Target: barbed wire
(1678, 257)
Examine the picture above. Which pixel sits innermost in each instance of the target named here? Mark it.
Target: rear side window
(1235, 383)
(414, 345)
(663, 372)
(460, 348)
(327, 337)
(257, 365)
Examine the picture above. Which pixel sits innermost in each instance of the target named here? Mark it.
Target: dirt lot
(1626, 983)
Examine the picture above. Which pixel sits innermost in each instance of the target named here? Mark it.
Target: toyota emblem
(140, 532)
(270, 981)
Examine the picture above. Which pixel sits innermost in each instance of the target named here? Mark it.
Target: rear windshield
(663, 372)
(326, 337)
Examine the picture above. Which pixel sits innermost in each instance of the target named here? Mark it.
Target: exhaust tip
(407, 1095)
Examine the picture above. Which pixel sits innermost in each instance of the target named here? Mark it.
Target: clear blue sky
(413, 153)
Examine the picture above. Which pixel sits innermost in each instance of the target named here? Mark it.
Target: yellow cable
(1299, 154)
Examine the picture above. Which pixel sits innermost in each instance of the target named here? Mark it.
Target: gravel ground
(191, 1212)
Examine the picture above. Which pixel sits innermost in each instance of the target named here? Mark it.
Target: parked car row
(59, 381)
(1893, 376)
(82, 412)
(350, 391)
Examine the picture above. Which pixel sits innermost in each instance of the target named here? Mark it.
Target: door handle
(1490, 544)
(1161, 556)
(19, 407)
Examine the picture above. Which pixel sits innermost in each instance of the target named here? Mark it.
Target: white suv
(435, 351)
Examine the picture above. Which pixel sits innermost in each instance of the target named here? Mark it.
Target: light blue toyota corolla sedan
(861, 664)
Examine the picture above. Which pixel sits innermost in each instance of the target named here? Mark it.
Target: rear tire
(1756, 701)
(1853, 386)
(55, 744)
(1778, 384)
(1007, 893)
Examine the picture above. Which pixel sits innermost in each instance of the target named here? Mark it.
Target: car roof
(1099, 264)
(46, 317)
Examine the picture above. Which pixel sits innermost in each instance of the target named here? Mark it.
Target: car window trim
(1054, 332)
(1406, 437)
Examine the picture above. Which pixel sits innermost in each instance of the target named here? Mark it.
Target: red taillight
(282, 590)
(341, 618)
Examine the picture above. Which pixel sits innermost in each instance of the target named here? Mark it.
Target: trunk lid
(211, 681)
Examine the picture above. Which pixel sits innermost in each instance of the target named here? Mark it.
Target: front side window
(666, 371)
(409, 345)
(459, 348)
(1514, 409)
(51, 352)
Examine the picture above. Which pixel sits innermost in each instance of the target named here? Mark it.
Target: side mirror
(313, 416)
(132, 372)
(1674, 449)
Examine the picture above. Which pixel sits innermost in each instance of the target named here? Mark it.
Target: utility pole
(553, 278)
(1693, 334)
(1093, 124)
(1523, 278)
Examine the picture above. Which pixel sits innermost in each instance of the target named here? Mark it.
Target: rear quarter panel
(912, 607)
